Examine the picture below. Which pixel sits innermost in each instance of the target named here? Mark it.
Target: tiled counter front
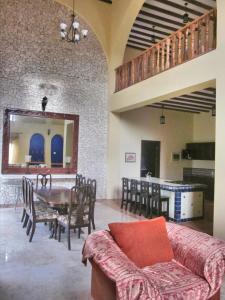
(186, 201)
(11, 189)
(185, 205)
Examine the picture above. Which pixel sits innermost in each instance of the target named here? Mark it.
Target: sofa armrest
(204, 255)
(131, 282)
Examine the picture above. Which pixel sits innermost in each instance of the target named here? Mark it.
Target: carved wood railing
(191, 41)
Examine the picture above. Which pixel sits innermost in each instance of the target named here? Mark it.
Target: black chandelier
(153, 35)
(74, 34)
(185, 15)
(162, 117)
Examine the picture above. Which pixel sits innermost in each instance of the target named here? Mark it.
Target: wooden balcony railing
(191, 41)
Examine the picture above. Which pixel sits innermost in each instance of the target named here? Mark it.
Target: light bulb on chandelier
(74, 33)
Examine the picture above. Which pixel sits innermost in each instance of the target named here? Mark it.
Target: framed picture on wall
(130, 157)
(175, 156)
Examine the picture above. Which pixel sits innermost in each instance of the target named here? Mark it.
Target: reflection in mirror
(40, 142)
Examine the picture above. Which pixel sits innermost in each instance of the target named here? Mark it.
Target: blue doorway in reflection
(36, 149)
(57, 151)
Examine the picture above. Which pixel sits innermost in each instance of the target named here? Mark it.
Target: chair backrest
(24, 190)
(133, 185)
(80, 204)
(30, 198)
(44, 180)
(155, 191)
(145, 188)
(125, 184)
(78, 179)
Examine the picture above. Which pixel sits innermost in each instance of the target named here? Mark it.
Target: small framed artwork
(130, 157)
(175, 156)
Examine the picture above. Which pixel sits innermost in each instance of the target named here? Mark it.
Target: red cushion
(144, 242)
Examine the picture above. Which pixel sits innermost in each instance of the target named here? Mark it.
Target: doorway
(57, 151)
(150, 158)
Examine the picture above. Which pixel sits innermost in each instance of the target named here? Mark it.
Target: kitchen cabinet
(191, 205)
(200, 151)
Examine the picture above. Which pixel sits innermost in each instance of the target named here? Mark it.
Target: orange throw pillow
(144, 242)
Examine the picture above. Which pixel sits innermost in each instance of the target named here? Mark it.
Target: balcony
(195, 39)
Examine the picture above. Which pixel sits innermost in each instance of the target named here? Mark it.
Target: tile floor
(45, 269)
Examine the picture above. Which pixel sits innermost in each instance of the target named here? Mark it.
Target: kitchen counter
(186, 200)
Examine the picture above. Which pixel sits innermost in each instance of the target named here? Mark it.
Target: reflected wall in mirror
(39, 141)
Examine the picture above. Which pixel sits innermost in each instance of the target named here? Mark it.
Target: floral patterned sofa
(196, 273)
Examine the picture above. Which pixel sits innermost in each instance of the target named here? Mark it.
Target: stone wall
(34, 63)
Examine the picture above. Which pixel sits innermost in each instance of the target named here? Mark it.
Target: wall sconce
(44, 103)
(49, 131)
(162, 118)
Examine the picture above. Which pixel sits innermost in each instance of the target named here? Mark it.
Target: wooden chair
(38, 215)
(134, 194)
(78, 180)
(145, 198)
(24, 194)
(125, 192)
(157, 202)
(44, 179)
(77, 216)
(93, 188)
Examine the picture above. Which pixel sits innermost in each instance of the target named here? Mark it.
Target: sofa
(195, 273)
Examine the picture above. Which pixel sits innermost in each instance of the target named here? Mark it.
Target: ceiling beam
(176, 109)
(164, 11)
(150, 15)
(187, 105)
(199, 4)
(150, 29)
(181, 7)
(135, 47)
(146, 34)
(150, 22)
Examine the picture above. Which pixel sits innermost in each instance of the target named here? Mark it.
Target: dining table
(55, 196)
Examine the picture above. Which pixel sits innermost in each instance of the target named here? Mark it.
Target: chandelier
(74, 34)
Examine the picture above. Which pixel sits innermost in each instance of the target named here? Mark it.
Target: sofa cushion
(144, 242)
(174, 281)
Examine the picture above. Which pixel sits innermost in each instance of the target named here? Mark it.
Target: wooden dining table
(54, 196)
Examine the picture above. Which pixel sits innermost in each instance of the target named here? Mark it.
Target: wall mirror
(37, 142)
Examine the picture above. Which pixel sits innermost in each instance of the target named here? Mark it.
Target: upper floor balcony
(196, 38)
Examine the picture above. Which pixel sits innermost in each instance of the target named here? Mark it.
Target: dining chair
(44, 179)
(77, 216)
(157, 202)
(38, 214)
(92, 183)
(78, 180)
(24, 197)
(134, 195)
(145, 197)
(125, 192)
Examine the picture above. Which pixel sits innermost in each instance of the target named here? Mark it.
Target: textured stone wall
(34, 63)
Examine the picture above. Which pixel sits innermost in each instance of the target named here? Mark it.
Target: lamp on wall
(162, 117)
(74, 33)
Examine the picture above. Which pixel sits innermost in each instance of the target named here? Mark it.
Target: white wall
(143, 124)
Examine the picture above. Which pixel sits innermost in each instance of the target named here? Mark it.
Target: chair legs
(32, 231)
(68, 238)
(59, 232)
(93, 222)
(23, 215)
(29, 227)
(25, 220)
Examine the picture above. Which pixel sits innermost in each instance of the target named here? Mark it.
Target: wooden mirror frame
(7, 169)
